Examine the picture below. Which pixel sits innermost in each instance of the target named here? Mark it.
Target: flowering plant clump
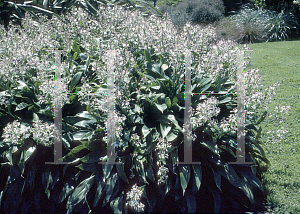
(149, 92)
(43, 132)
(15, 133)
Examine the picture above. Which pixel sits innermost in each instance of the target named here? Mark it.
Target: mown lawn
(280, 61)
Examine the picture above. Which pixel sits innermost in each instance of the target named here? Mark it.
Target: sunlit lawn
(280, 61)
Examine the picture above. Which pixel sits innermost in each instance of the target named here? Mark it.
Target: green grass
(279, 61)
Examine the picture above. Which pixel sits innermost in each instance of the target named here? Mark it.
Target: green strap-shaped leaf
(197, 174)
(140, 170)
(99, 192)
(121, 172)
(211, 146)
(147, 55)
(191, 202)
(217, 177)
(76, 48)
(229, 173)
(172, 135)
(184, 172)
(19, 11)
(112, 189)
(75, 80)
(21, 106)
(80, 193)
(91, 158)
(146, 131)
(106, 171)
(168, 102)
(252, 179)
(245, 186)
(67, 189)
(116, 205)
(47, 181)
(217, 199)
(75, 150)
(225, 100)
(164, 129)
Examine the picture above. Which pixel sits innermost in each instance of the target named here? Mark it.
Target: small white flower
(162, 147)
(134, 198)
(162, 173)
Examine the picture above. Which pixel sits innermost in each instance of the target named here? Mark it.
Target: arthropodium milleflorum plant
(112, 31)
(217, 54)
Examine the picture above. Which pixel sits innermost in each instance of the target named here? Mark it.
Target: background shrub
(249, 25)
(199, 11)
(257, 25)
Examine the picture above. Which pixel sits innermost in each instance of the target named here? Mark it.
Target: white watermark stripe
(111, 109)
(240, 152)
(57, 112)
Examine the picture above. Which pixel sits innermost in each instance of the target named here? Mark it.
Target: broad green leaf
(19, 11)
(252, 179)
(203, 85)
(157, 87)
(225, 100)
(175, 100)
(149, 173)
(197, 174)
(116, 205)
(86, 115)
(91, 8)
(100, 190)
(106, 171)
(172, 135)
(217, 199)
(168, 102)
(164, 129)
(45, 4)
(262, 118)
(76, 47)
(146, 131)
(141, 172)
(27, 153)
(191, 202)
(172, 119)
(161, 107)
(91, 158)
(217, 177)
(245, 186)
(147, 55)
(79, 135)
(229, 173)
(21, 106)
(164, 67)
(67, 189)
(112, 188)
(184, 172)
(80, 193)
(75, 150)
(47, 181)
(211, 146)
(121, 172)
(75, 80)
(83, 56)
